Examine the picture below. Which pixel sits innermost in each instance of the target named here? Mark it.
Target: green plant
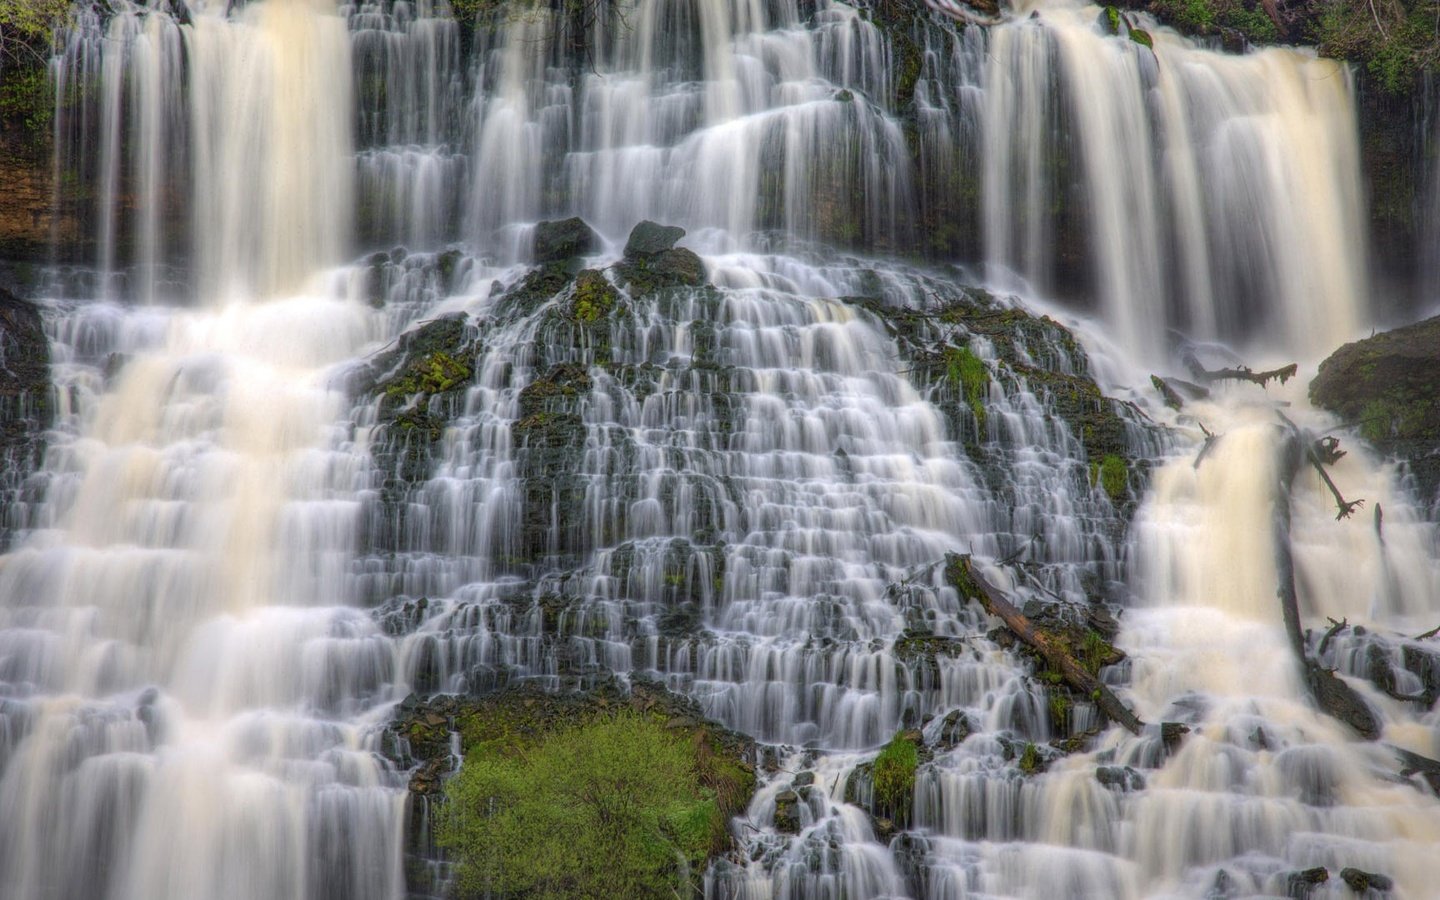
(1111, 475)
(619, 806)
(894, 773)
(966, 370)
(27, 26)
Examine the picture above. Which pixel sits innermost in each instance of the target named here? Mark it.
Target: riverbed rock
(564, 239)
(649, 238)
(1388, 386)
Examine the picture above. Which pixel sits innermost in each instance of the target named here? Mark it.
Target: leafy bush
(618, 806)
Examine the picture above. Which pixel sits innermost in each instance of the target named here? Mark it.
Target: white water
(191, 675)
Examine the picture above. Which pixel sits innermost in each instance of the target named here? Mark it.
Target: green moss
(894, 773)
(613, 805)
(1059, 707)
(1142, 38)
(1030, 761)
(1112, 475)
(1112, 20)
(594, 297)
(434, 373)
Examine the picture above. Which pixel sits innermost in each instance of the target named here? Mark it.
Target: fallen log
(1332, 694)
(1052, 647)
(1239, 373)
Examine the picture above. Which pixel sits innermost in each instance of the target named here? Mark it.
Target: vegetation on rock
(1388, 386)
(894, 775)
(589, 796)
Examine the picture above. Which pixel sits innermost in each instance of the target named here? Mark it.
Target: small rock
(787, 812)
(649, 238)
(1300, 884)
(1122, 777)
(804, 779)
(1171, 734)
(1360, 882)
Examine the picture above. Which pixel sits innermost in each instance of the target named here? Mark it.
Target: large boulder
(563, 240)
(1388, 386)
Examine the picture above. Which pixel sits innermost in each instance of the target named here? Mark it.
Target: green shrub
(619, 806)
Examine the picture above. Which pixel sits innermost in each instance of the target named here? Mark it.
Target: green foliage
(1030, 759)
(619, 806)
(966, 370)
(25, 95)
(894, 773)
(31, 21)
(1112, 20)
(1111, 475)
(1194, 16)
(1142, 37)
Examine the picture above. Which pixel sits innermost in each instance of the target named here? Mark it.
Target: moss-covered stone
(526, 721)
(594, 297)
(1388, 386)
(649, 238)
(564, 240)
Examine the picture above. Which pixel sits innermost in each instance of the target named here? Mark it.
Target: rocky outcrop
(25, 407)
(1388, 386)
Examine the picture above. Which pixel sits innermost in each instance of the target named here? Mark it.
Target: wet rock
(1425, 666)
(1302, 884)
(1172, 734)
(649, 238)
(668, 269)
(1339, 699)
(593, 298)
(803, 779)
(1389, 386)
(1122, 778)
(787, 812)
(954, 730)
(564, 240)
(1360, 882)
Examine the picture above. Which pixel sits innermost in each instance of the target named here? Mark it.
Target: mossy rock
(649, 238)
(676, 268)
(1388, 386)
(506, 728)
(564, 240)
(594, 298)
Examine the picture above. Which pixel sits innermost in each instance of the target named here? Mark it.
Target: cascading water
(738, 482)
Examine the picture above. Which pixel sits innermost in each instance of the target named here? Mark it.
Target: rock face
(25, 410)
(1389, 387)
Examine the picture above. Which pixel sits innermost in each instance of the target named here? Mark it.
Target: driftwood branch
(1332, 694)
(1429, 634)
(1322, 453)
(1239, 373)
(1335, 628)
(1050, 646)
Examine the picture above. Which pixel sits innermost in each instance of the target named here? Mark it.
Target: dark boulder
(565, 239)
(649, 238)
(1360, 882)
(1388, 386)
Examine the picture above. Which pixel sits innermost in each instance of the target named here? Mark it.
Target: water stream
(214, 611)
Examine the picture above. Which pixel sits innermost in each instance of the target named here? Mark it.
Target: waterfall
(252, 546)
